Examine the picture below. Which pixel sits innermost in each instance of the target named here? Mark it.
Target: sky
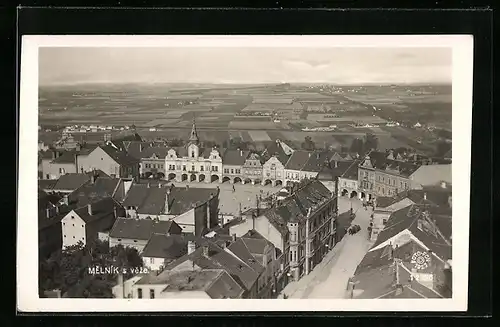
(75, 65)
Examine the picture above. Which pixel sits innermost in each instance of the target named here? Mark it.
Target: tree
(68, 269)
(357, 146)
(371, 142)
(308, 144)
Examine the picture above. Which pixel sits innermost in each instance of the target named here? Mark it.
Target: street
(329, 278)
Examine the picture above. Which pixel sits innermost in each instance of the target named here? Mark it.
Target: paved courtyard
(329, 278)
(230, 200)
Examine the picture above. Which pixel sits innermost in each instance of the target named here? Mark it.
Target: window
(184, 167)
(119, 240)
(64, 224)
(151, 293)
(82, 226)
(192, 154)
(139, 293)
(73, 237)
(151, 260)
(135, 241)
(226, 171)
(192, 168)
(232, 171)
(238, 171)
(73, 225)
(64, 235)
(384, 221)
(201, 168)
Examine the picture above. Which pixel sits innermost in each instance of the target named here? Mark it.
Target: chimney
(191, 247)
(57, 209)
(317, 155)
(140, 147)
(89, 208)
(336, 164)
(47, 211)
(309, 154)
(149, 185)
(241, 153)
(425, 196)
(115, 214)
(167, 202)
(443, 184)
(233, 237)
(92, 178)
(159, 185)
(205, 251)
(66, 200)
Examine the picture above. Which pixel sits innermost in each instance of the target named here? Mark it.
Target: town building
(100, 186)
(302, 226)
(232, 165)
(111, 160)
(70, 182)
(162, 249)
(411, 257)
(56, 163)
(136, 233)
(186, 284)
(85, 223)
(437, 196)
(379, 176)
(274, 161)
(348, 181)
(316, 162)
(294, 166)
(50, 213)
(193, 163)
(252, 169)
(428, 175)
(153, 162)
(194, 209)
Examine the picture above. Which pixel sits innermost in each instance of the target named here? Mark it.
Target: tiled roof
(274, 149)
(45, 200)
(297, 160)
(240, 249)
(139, 229)
(317, 161)
(331, 173)
(100, 209)
(433, 195)
(159, 152)
(47, 184)
(218, 258)
(120, 157)
(376, 276)
(407, 219)
(296, 206)
(379, 161)
(70, 182)
(148, 200)
(235, 157)
(66, 157)
(103, 187)
(165, 246)
(183, 199)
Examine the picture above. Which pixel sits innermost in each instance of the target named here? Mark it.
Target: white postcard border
(27, 233)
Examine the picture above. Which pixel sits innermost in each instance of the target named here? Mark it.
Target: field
(224, 112)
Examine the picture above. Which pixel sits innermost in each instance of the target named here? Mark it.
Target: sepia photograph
(173, 170)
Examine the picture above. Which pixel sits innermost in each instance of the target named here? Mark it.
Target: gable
(68, 218)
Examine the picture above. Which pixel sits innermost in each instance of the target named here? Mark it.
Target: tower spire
(194, 134)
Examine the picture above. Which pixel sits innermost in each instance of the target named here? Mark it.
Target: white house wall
(73, 229)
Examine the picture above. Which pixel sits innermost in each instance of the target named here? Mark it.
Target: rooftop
(235, 157)
(140, 229)
(100, 209)
(166, 246)
(297, 160)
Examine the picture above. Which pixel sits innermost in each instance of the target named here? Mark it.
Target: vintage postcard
(314, 172)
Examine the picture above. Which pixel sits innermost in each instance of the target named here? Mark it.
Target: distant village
(128, 202)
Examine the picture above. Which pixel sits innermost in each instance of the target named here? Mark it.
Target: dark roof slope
(297, 160)
(159, 152)
(66, 157)
(121, 157)
(139, 229)
(407, 219)
(70, 182)
(297, 205)
(182, 199)
(47, 200)
(100, 209)
(379, 161)
(331, 173)
(317, 161)
(432, 195)
(274, 149)
(148, 200)
(165, 246)
(103, 187)
(218, 258)
(234, 157)
(47, 184)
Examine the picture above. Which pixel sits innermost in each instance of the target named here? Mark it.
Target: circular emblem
(420, 260)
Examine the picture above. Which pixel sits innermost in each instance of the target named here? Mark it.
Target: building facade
(252, 169)
(194, 163)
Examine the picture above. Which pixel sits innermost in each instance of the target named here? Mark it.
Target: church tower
(193, 145)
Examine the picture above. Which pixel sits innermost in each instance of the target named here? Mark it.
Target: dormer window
(192, 154)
